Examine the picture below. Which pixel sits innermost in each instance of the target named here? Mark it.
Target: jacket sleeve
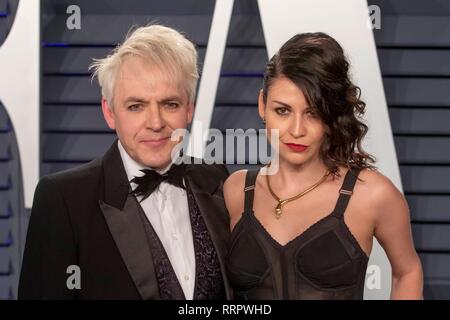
(50, 247)
(225, 171)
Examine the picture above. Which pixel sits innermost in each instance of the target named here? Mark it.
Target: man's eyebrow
(135, 99)
(170, 98)
(282, 103)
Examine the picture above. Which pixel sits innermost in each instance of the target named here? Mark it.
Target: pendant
(278, 210)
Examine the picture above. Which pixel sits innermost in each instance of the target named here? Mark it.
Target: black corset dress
(324, 262)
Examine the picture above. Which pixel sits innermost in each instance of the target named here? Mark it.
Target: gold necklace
(278, 208)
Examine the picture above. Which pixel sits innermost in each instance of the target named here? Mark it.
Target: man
(133, 223)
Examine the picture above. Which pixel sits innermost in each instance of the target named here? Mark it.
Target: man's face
(148, 107)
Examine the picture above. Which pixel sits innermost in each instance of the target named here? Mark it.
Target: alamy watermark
(73, 21)
(374, 20)
(234, 146)
(74, 279)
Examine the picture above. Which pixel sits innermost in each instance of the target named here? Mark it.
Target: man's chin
(157, 164)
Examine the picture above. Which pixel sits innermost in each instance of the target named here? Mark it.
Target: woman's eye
(282, 111)
(311, 113)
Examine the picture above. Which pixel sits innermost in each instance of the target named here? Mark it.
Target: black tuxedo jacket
(86, 217)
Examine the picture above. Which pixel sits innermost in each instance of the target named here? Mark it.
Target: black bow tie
(152, 179)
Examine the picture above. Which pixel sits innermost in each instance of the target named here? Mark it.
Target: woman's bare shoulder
(374, 181)
(378, 191)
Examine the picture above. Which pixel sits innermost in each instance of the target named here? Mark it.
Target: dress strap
(250, 180)
(346, 192)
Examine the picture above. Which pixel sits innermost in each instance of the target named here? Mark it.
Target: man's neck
(132, 167)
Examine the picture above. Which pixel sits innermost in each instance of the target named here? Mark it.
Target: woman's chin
(296, 159)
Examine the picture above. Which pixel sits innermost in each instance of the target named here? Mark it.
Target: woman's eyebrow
(282, 103)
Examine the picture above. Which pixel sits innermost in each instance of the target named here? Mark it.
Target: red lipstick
(296, 147)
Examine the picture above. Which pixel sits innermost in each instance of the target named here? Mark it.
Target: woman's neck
(304, 175)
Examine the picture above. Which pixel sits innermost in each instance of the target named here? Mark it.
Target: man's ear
(261, 105)
(108, 114)
(191, 110)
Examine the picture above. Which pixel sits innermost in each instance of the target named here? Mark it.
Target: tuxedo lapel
(209, 199)
(128, 232)
(121, 211)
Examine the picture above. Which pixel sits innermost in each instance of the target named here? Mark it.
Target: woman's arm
(393, 231)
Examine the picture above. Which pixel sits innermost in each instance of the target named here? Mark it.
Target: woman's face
(301, 131)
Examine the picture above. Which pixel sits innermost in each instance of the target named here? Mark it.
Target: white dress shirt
(168, 211)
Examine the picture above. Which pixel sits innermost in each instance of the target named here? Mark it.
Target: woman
(306, 232)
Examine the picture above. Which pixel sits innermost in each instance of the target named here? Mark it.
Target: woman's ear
(261, 105)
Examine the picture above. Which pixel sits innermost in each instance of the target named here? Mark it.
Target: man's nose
(154, 118)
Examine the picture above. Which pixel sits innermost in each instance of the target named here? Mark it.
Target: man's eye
(172, 105)
(134, 107)
(282, 111)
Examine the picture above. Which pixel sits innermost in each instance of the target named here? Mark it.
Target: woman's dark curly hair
(316, 63)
